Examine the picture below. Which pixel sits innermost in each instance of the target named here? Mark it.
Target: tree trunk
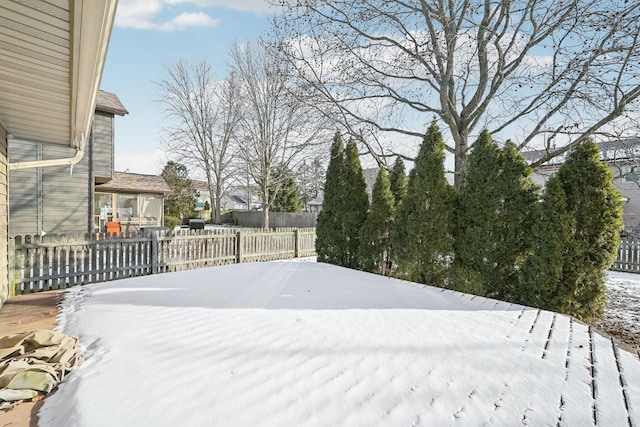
(460, 177)
(218, 208)
(460, 137)
(265, 206)
(265, 217)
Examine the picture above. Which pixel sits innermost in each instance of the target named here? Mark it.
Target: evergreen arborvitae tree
(492, 220)
(356, 204)
(541, 284)
(398, 179)
(375, 234)
(423, 229)
(518, 197)
(595, 209)
(476, 217)
(287, 198)
(181, 201)
(330, 234)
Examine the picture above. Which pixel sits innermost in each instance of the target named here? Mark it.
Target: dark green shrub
(375, 234)
(594, 207)
(493, 216)
(356, 204)
(423, 228)
(171, 221)
(330, 232)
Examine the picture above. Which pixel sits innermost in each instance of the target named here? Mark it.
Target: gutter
(52, 162)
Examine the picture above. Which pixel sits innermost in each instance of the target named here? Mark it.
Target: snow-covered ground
(622, 313)
(307, 344)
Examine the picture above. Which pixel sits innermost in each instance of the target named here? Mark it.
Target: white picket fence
(628, 255)
(59, 261)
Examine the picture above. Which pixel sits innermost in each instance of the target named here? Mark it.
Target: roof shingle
(109, 103)
(135, 183)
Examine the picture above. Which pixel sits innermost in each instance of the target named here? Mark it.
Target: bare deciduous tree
(545, 73)
(275, 128)
(310, 176)
(204, 115)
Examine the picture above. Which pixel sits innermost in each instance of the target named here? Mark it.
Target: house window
(128, 212)
(151, 208)
(127, 207)
(103, 210)
(132, 211)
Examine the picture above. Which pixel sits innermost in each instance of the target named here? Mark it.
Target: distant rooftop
(618, 149)
(238, 199)
(370, 176)
(199, 185)
(109, 103)
(135, 183)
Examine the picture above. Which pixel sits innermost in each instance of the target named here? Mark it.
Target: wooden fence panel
(55, 262)
(189, 249)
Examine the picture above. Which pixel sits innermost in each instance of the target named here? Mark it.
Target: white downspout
(52, 162)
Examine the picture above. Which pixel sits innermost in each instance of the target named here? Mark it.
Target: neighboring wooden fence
(628, 255)
(55, 262)
(276, 219)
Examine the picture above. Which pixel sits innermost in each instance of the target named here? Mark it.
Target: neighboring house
(235, 203)
(134, 201)
(54, 200)
(51, 62)
(370, 176)
(202, 199)
(239, 199)
(623, 158)
(234, 199)
(313, 205)
(243, 198)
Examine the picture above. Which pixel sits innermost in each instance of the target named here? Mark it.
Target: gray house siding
(59, 199)
(103, 166)
(4, 219)
(66, 196)
(49, 200)
(629, 189)
(24, 191)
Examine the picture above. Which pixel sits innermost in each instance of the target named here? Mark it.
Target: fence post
(12, 268)
(296, 247)
(154, 252)
(238, 247)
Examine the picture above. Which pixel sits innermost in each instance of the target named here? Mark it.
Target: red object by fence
(113, 227)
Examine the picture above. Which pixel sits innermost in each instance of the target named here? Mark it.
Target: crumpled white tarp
(34, 363)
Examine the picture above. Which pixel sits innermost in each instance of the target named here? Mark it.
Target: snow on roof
(306, 344)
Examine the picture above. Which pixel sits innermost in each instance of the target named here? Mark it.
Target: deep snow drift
(306, 344)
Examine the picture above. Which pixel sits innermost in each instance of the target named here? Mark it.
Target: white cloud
(137, 13)
(146, 15)
(254, 6)
(186, 20)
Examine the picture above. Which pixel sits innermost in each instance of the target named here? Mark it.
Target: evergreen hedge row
(497, 237)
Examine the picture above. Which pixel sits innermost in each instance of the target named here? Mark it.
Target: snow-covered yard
(622, 313)
(306, 344)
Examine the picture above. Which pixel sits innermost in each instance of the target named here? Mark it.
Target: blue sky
(151, 34)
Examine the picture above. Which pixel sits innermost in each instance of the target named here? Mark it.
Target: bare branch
(566, 69)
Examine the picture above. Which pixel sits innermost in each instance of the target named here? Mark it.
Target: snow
(308, 344)
(622, 312)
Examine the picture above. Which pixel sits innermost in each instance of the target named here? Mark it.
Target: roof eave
(92, 24)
